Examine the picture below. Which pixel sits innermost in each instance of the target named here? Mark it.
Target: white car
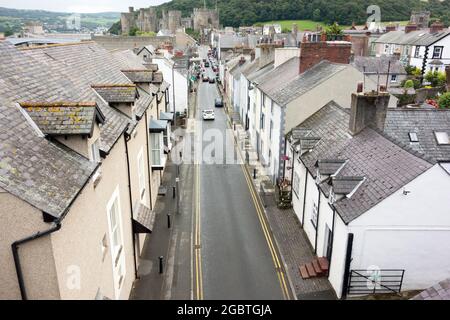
(208, 114)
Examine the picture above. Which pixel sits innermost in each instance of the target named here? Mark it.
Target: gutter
(126, 139)
(57, 226)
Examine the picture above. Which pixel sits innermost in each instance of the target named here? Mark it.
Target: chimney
(267, 53)
(368, 109)
(436, 27)
(252, 56)
(130, 9)
(312, 53)
(447, 73)
(391, 27)
(410, 27)
(284, 54)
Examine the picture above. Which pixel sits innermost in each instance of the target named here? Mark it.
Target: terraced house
(84, 136)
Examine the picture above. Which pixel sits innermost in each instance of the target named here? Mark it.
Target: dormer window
(413, 137)
(442, 137)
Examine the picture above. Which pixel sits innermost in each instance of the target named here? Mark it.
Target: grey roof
(144, 217)
(424, 122)
(143, 102)
(345, 185)
(157, 125)
(63, 118)
(418, 37)
(117, 93)
(440, 291)
(157, 77)
(258, 75)
(44, 174)
(166, 116)
(139, 76)
(306, 81)
(227, 41)
(329, 166)
(39, 41)
(385, 166)
(280, 76)
(128, 59)
(379, 65)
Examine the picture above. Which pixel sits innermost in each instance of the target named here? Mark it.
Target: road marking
(265, 229)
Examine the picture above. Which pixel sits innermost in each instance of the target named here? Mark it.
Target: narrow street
(234, 254)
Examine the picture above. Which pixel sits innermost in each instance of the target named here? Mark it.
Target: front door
(328, 242)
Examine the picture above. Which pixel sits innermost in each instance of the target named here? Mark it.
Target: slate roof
(385, 166)
(345, 185)
(143, 103)
(378, 65)
(424, 122)
(139, 76)
(128, 59)
(329, 166)
(64, 118)
(32, 168)
(440, 291)
(117, 93)
(258, 75)
(418, 37)
(305, 82)
(280, 76)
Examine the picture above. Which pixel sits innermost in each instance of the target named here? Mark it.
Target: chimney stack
(410, 27)
(368, 109)
(312, 53)
(436, 27)
(391, 27)
(294, 30)
(131, 9)
(267, 52)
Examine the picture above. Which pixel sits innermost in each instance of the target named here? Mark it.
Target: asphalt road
(236, 262)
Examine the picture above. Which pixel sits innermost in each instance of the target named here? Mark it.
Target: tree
(133, 31)
(317, 15)
(444, 101)
(435, 78)
(409, 84)
(334, 30)
(116, 28)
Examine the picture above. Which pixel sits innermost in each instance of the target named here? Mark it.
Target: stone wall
(111, 43)
(205, 18)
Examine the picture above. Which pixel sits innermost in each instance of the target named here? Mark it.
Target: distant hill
(237, 12)
(11, 20)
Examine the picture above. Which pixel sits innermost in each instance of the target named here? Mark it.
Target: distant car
(208, 114)
(206, 64)
(205, 79)
(218, 103)
(212, 80)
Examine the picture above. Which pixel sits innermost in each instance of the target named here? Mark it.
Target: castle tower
(174, 20)
(205, 18)
(420, 18)
(128, 20)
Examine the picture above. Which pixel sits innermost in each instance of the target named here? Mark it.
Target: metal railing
(372, 281)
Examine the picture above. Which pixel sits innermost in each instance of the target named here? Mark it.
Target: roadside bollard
(168, 221)
(173, 192)
(254, 173)
(234, 126)
(161, 268)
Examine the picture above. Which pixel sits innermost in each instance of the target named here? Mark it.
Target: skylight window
(413, 137)
(442, 137)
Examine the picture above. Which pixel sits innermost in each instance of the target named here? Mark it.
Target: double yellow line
(197, 239)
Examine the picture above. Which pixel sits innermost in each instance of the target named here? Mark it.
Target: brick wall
(312, 53)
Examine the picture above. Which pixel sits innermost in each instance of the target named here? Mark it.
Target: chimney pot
(410, 27)
(359, 87)
(436, 27)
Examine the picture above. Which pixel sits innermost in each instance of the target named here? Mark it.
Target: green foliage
(435, 78)
(133, 31)
(285, 30)
(238, 13)
(413, 71)
(408, 84)
(334, 30)
(116, 28)
(146, 34)
(444, 101)
(415, 81)
(194, 34)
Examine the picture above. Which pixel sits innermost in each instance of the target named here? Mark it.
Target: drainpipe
(292, 170)
(348, 260)
(148, 161)
(317, 221)
(304, 196)
(127, 138)
(57, 226)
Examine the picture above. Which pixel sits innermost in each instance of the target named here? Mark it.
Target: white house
(426, 49)
(370, 189)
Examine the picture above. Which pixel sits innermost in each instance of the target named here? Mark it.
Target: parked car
(206, 64)
(212, 80)
(218, 103)
(205, 79)
(208, 114)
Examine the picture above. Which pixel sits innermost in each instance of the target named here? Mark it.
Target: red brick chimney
(410, 27)
(391, 27)
(312, 53)
(436, 27)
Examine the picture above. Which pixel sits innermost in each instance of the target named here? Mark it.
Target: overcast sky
(82, 6)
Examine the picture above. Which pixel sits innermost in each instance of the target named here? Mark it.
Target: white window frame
(439, 56)
(95, 151)
(296, 184)
(141, 174)
(154, 150)
(117, 251)
(314, 215)
(393, 78)
(442, 137)
(417, 52)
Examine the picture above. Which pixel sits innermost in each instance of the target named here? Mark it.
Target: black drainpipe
(57, 225)
(148, 161)
(127, 138)
(348, 260)
(424, 62)
(304, 196)
(332, 240)
(317, 221)
(292, 173)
